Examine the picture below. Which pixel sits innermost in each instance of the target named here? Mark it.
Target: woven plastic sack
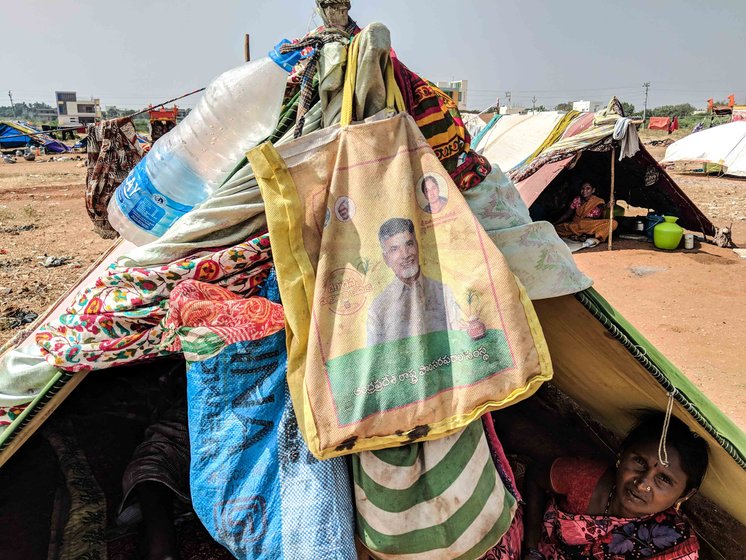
(255, 486)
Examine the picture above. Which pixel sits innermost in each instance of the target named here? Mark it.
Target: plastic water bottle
(239, 109)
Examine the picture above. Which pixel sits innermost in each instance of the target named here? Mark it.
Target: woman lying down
(628, 510)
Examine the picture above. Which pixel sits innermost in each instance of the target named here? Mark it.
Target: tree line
(35, 111)
(680, 110)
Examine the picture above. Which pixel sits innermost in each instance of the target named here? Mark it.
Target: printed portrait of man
(412, 304)
(435, 201)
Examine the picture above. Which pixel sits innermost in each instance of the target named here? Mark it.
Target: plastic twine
(662, 451)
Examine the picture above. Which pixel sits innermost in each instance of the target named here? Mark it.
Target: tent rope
(140, 112)
(662, 451)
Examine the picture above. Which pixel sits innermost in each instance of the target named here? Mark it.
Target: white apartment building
(457, 90)
(73, 111)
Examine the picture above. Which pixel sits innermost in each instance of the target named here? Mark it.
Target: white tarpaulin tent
(515, 137)
(473, 122)
(723, 145)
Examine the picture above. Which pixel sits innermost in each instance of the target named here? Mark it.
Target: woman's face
(587, 190)
(432, 190)
(643, 485)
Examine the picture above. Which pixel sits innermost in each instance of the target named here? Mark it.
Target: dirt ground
(690, 304)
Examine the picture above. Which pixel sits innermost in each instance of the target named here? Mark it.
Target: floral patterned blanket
(662, 536)
(124, 316)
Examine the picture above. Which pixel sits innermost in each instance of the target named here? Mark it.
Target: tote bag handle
(394, 98)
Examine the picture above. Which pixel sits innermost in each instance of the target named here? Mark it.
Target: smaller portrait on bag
(432, 193)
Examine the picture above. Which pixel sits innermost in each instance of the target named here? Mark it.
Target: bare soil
(42, 213)
(690, 304)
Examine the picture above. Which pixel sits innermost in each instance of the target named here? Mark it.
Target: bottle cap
(285, 61)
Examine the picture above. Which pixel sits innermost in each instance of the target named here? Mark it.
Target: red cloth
(659, 123)
(576, 479)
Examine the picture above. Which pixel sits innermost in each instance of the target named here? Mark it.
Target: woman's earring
(618, 462)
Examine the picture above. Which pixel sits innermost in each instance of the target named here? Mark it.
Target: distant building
(45, 115)
(457, 91)
(72, 111)
(512, 110)
(587, 106)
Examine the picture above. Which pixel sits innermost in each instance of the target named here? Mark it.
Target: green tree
(112, 112)
(628, 109)
(564, 106)
(681, 110)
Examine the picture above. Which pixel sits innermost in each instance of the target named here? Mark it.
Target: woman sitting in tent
(620, 512)
(586, 211)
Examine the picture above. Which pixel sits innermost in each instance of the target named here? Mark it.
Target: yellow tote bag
(404, 322)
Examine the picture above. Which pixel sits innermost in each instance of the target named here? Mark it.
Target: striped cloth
(439, 120)
(438, 499)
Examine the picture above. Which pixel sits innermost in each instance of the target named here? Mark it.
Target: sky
(134, 52)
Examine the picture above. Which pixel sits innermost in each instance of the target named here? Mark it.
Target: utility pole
(646, 85)
(10, 94)
(533, 100)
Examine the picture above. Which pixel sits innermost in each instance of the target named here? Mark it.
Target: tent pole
(612, 202)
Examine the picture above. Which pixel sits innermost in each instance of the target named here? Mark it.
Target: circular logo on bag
(345, 291)
(344, 209)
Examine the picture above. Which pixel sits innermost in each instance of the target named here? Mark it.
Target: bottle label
(144, 205)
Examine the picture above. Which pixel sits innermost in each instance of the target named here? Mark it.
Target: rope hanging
(662, 451)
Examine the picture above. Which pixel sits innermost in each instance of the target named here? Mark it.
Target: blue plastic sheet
(255, 486)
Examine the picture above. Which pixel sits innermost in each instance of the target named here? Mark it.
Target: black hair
(424, 180)
(392, 226)
(691, 448)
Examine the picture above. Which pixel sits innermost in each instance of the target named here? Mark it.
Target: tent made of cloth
(582, 147)
(607, 367)
(474, 123)
(16, 134)
(723, 145)
(513, 138)
(599, 359)
(659, 123)
(640, 181)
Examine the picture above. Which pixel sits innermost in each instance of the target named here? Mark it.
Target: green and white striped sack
(436, 499)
